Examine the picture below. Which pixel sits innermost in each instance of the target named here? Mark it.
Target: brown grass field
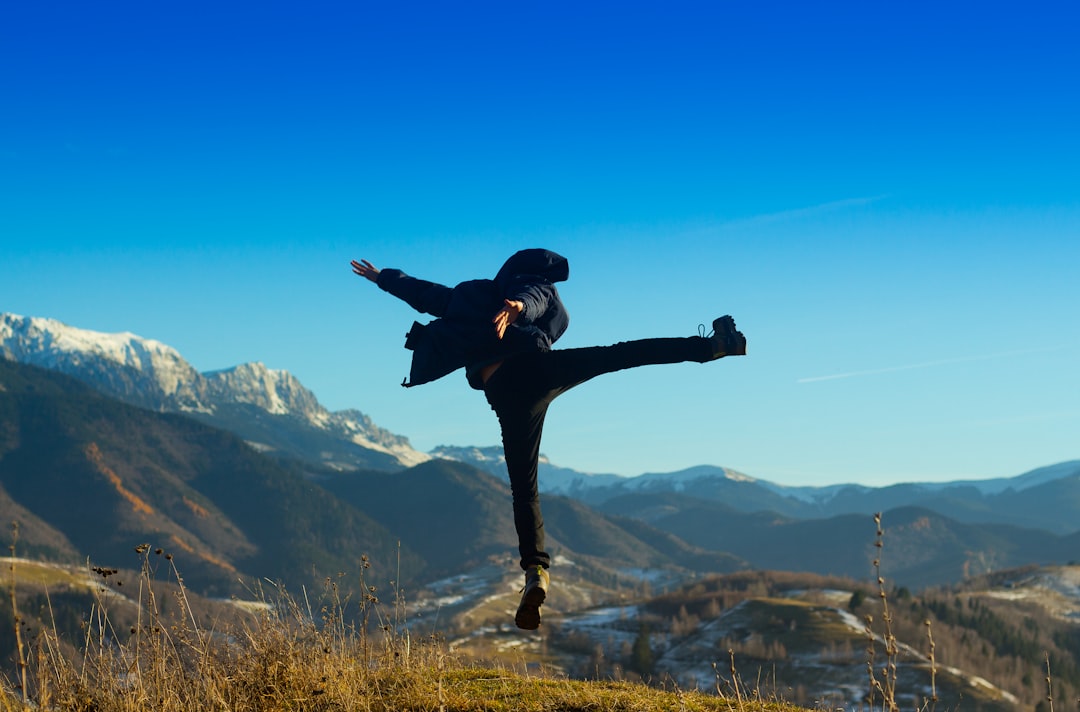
(281, 656)
(154, 646)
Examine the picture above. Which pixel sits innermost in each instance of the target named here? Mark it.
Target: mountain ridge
(152, 375)
(792, 500)
(275, 413)
(97, 476)
(1043, 498)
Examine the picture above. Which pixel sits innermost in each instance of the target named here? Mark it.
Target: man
(501, 332)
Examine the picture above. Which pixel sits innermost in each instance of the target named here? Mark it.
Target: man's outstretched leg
(552, 373)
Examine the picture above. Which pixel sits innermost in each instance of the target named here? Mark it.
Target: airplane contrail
(924, 364)
(813, 209)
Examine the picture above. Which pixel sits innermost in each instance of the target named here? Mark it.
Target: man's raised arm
(421, 295)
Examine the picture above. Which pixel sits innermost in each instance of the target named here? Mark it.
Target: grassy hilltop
(104, 640)
(161, 651)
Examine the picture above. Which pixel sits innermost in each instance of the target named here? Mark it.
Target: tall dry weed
(290, 653)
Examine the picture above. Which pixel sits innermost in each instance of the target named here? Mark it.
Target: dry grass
(286, 654)
(291, 654)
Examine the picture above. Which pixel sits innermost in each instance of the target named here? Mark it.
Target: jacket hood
(534, 261)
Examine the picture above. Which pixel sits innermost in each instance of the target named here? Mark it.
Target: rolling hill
(93, 477)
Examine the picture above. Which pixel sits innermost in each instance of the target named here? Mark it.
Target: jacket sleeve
(535, 294)
(421, 295)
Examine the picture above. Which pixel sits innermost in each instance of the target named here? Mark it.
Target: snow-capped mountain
(554, 479)
(684, 480)
(1020, 483)
(124, 365)
(996, 486)
(563, 480)
(155, 376)
(1040, 499)
(274, 391)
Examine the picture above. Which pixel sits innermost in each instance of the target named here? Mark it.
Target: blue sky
(887, 199)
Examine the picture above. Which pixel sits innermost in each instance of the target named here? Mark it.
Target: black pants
(523, 387)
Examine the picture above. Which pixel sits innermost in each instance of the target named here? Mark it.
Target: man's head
(535, 261)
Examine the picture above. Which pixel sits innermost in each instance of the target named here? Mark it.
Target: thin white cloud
(709, 228)
(810, 211)
(924, 364)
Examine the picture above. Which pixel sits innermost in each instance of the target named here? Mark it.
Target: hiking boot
(725, 339)
(532, 597)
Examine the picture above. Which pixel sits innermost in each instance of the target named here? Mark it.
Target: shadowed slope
(106, 476)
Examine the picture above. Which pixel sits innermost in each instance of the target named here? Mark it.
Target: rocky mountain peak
(152, 375)
(142, 371)
(273, 390)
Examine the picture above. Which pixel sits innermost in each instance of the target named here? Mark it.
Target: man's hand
(507, 315)
(365, 269)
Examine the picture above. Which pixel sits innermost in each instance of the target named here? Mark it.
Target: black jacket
(464, 334)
